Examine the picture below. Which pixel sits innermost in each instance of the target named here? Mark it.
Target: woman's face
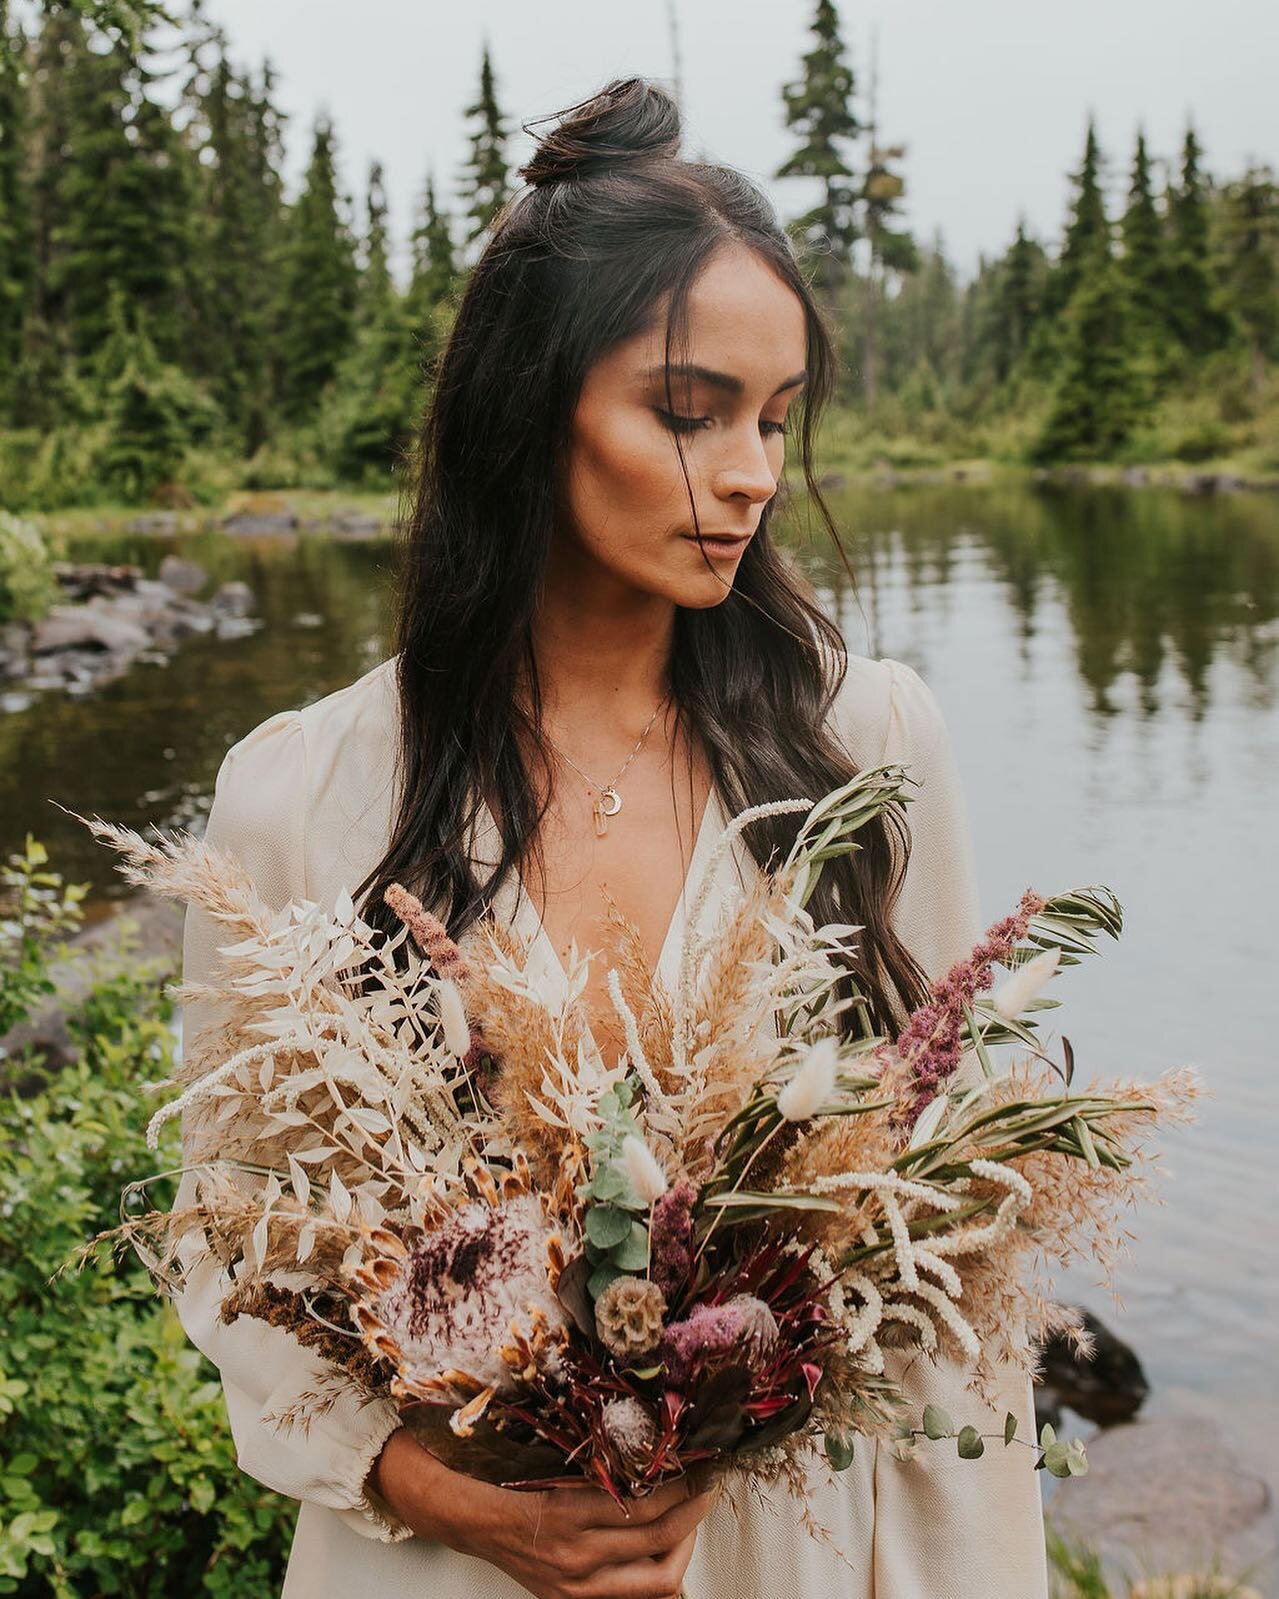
(628, 511)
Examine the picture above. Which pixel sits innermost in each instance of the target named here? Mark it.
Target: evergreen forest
(176, 322)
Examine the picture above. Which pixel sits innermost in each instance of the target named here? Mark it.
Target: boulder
(261, 522)
(233, 599)
(86, 580)
(183, 577)
(1166, 1494)
(153, 522)
(1106, 1389)
(68, 628)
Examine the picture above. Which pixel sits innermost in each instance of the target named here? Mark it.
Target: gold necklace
(608, 801)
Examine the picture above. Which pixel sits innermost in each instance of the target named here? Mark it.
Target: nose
(746, 471)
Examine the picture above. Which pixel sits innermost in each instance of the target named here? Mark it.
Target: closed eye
(691, 424)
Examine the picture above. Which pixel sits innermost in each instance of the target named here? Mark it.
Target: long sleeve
(945, 1525)
(259, 813)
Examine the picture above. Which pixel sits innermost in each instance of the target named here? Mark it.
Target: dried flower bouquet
(412, 1155)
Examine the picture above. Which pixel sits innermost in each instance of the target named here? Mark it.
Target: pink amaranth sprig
(429, 933)
(928, 1050)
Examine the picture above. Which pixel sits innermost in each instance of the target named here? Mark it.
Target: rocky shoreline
(110, 618)
(1191, 484)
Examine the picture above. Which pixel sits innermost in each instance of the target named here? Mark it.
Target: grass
(1077, 1572)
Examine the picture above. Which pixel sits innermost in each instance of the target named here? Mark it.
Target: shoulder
(299, 781)
(885, 711)
(283, 744)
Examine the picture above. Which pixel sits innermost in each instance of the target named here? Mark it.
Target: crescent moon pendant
(610, 802)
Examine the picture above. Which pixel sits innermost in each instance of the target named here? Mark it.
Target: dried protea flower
(631, 1430)
(742, 1326)
(469, 1305)
(628, 1316)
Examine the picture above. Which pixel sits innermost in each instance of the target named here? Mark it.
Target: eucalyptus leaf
(607, 1226)
(1010, 1428)
(631, 1253)
(839, 1450)
(937, 1422)
(601, 1277)
(971, 1444)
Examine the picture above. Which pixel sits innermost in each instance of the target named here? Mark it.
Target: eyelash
(690, 424)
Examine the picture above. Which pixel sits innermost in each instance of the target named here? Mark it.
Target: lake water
(1108, 662)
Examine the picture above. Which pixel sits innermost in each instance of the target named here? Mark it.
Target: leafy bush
(28, 586)
(117, 1467)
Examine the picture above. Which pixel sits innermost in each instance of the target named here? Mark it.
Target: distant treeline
(173, 323)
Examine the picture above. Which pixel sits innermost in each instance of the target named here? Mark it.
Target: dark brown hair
(611, 223)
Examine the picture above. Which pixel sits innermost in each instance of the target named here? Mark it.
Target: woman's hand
(559, 1543)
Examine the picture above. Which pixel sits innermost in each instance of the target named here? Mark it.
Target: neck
(602, 661)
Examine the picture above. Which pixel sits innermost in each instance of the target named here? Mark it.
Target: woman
(601, 657)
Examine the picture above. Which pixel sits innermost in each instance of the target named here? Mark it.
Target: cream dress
(305, 802)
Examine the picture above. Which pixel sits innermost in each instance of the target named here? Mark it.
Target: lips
(722, 544)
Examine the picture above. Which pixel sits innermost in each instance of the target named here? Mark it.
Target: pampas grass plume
(646, 1177)
(457, 1032)
(1013, 995)
(812, 1085)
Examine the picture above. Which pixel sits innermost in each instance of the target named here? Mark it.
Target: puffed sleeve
(945, 1525)
(258, 814)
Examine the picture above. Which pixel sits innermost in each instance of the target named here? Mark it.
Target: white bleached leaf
(372, 1121)
(339, 1197)
(306, 1241)
(301, 1182)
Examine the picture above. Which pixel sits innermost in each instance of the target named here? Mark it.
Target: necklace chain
(608, 791)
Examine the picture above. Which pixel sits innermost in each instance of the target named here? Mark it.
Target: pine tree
(435, 268)
(892, 250)
(485, 181)
(375, 272)
(237, 222)
(369, 413)
(820, 106)
(1087, 243)
(318, 283)
(153, 411)
(125, 202)
(1251, 239)
(1020, 298)
(1102, 392)
(1196, 314)
(16, 260)
(1144, 261)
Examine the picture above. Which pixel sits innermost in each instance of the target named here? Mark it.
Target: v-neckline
(542, 939)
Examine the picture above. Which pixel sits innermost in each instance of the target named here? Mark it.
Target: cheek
(624, 477)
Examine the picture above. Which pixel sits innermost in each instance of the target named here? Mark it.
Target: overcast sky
(990, 97)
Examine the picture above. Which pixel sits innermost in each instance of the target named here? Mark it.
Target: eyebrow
(720, 380)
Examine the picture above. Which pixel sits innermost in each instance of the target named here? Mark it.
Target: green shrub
(118, 1471)
(28, 586)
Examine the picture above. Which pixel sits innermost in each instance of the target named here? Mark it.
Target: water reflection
(1106, 664)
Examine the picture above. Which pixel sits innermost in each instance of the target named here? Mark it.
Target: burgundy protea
(741, 1328)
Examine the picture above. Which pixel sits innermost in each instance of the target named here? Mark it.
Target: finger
(592, 1507)
(644, 1579)
(652, 1540)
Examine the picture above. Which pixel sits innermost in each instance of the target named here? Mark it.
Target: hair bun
(629, 121)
